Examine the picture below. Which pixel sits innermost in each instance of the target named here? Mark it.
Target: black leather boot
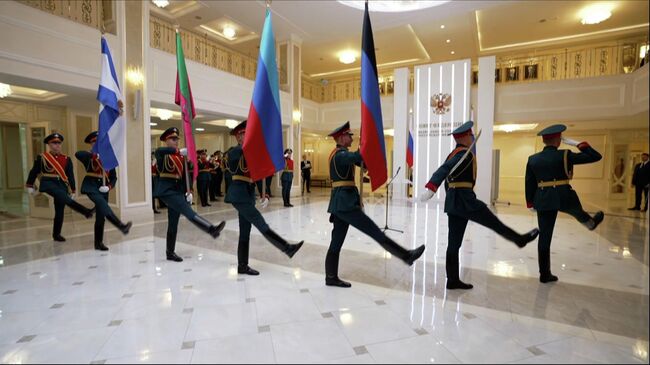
(544, 260)
(453, 278)
(124, 228)
(281, 244)
(523, 239)
(99, 236)
(207, 227)
(58, 238)
(88, 213)
(246, 270)
(414, 254)
(332, 270)
(171, 245)
(592, 223)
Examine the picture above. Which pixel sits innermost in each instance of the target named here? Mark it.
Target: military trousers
(176, 205)
(359, 220)
(546, 222)
(202, 185)
(61, 199)
(102, 210)
(457, 225)
(248, 215)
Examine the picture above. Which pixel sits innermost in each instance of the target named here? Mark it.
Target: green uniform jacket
(238, 191)
(203, 175)
(50, 183)
(166, 185)
(344, 198)
(458, 201)
(93, 165)
(554, 164)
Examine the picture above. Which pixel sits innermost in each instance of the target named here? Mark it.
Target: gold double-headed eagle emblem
(440, 103)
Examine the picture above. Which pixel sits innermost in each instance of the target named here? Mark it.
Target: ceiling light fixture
(164, 114)
(160, 3)
(199, 129)
(5, 90)
(448, 40)
(229, 32)
(152, 124)
(393, 6)
(508, 128)
(347, 57)
(442, 26)
(596, 13)
(453, 52)
(231, 123)
(134, 75)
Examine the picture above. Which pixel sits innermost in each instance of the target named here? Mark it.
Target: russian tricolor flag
(112, 125)
(372, 146)
(263, 147)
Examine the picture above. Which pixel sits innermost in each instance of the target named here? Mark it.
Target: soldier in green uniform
(548, 190)
(96, 185)
(56, 175)
(345, 209)
(203, 179)
(461, 204)
(241, 194)
(171, 188)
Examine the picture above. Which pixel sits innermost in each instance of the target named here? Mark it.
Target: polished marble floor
(67, 303)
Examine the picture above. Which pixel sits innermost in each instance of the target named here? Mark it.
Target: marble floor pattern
(67, 303)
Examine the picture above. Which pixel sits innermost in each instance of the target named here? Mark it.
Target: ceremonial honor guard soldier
(461, 205)
(287, 178)
(216, 176)
(172, 189)
(56, 175)
(241, 194)
(548, 190)
(203, 179)
(96, 185)
(345, 209)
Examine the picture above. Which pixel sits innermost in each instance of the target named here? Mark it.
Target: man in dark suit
(345, 209)
(640, 180)
(305, 168)
(548, 190)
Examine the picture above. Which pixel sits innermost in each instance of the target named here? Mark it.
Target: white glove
(104, 189)
(183, 151)
(426, 195)
(31, 191)
(71, 195)
(264, 203)
(97, 154)
(570, 142)
(189, 198)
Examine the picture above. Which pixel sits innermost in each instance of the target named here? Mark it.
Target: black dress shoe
(335, 281)
(548, 278)
(457, 284)
(527, 237)
(597, 219)
(59, 238)
(174, 257)
(100, 247)
(246, 270)
(293, 249)
(213, 200)
(414, 255)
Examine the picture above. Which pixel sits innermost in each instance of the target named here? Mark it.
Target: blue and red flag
(409, 150)
(263, 147)
(372, 145)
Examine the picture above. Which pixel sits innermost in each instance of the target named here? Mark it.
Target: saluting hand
(570, 142)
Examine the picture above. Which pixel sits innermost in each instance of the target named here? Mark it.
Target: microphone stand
(390, 185)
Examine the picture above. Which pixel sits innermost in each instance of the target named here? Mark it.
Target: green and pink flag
(186, 102)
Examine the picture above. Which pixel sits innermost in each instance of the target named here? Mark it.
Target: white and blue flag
(112, 126)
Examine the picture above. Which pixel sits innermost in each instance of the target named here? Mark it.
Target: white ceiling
(328, 27)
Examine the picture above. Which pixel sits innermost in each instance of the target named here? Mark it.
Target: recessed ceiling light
(160, 3)
(229, 32)
(347, 57)
(199, 129)
(153, 124)
(442, 26)
(164, 114)
(596, 13)
(448, 40)
(453, 52)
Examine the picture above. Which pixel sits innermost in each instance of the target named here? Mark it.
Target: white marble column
(401, 127)
(485, 121)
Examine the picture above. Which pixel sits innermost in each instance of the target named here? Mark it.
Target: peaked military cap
(54, 137)
(91, 138)
(463, 130)
(553, 131)
(344, 129)
(241, 126)
(169, 133)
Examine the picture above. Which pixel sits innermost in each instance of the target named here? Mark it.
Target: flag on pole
(409, 150)
(186, 102)
(372, 146)
(263, 147)
(112, 126)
